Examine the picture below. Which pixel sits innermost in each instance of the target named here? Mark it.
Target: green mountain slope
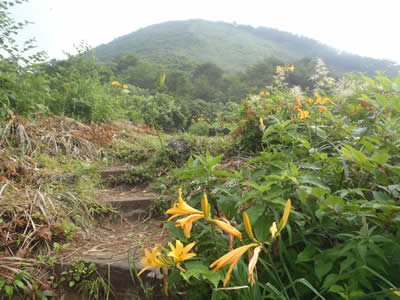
(180, 44)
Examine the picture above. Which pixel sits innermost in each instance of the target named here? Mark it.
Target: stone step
(134, 208)
(109, 173)
(115, 248)
(105, 174)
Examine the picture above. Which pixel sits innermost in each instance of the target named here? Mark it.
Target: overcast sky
(364, 27)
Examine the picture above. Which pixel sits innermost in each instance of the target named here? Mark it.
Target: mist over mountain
(183, 44)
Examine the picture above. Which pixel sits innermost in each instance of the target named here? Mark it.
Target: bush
(162, 111)
(199, 128)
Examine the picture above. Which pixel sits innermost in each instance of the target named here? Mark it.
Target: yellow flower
(231, 258)
(273, 230)
(278, 69)
(262, 126)
(125, 86)
(310, 100)
(397, 293)
(254, 88)
(291, 68)
(227, 228)
(205, 206)
(326, 99)
(150, 260)
(181, 208)
(276, 231)
(247, 226)
(187, 223)
(318, 98)
(180, 253)
(262, 93)
(252, 264)
(303, 114)
(115, 83)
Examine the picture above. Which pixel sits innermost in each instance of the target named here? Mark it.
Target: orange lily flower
(318, 98)
(187, 223)
(231, 258)
(151, 260)
(180, 253)
(397, 293)
(181, 208)
(225, 226)
(303, 114)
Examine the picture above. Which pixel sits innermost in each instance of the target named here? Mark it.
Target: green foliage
(199, 128)
(162, 111)
(340, 169)
(23, 90)
(77, 89)
(78, 272)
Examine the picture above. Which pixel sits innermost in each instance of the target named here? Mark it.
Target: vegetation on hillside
(182, 44)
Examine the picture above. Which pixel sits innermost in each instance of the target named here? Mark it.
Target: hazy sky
(364, 27)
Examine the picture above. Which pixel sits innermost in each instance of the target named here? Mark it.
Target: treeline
(207, 81)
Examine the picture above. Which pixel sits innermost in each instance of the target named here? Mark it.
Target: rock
(179, 145)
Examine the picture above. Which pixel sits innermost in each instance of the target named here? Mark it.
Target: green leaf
(336, 202)
(261, 227)
(2, 282)
(305, 143)
(348, 262)
(395, 100)
(330, 280)
(380, 196)
(307, 254)
(20, 284)
(382, 100)
(255, 212)
(318, 192)
(380, 158)
(9, 289)
(227, 203)
(201, 271)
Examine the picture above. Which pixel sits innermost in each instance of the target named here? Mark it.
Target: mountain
(182, 44)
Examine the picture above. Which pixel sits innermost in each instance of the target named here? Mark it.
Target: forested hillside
(182, 44)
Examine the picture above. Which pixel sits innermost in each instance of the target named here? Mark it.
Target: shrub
(199, 128)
